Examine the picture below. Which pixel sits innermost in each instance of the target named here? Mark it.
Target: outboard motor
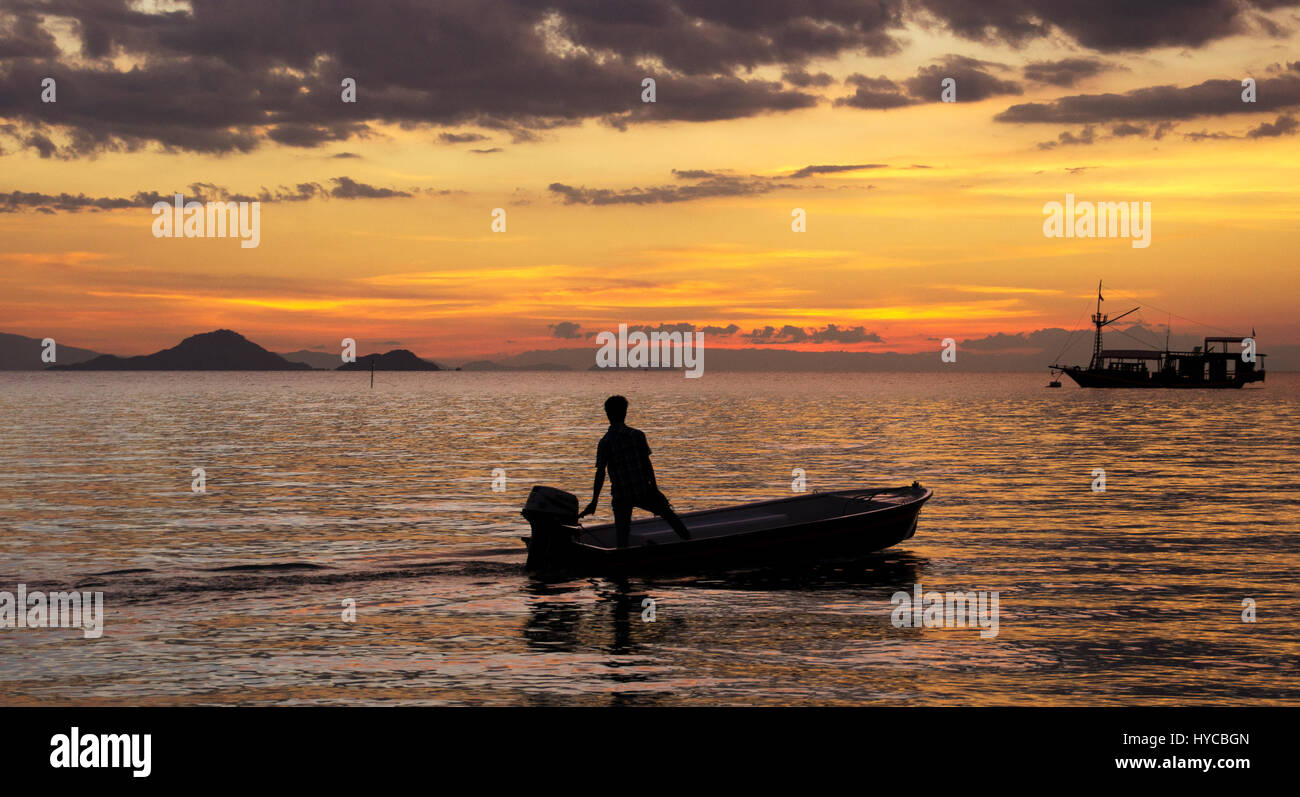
(553, 515)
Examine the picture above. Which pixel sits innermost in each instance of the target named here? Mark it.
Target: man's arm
(595, 493)
(597, 485)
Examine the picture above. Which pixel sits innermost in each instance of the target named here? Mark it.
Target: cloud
(1162, 103)
(878, 93)
(344, 188)
(831, 333)
(803, 79)
(311, 135)
(347, 188)
(231, 77)
(1065, 138)
(1125, 129)
(565, 329)
(694, 174)
(225, 78)
(1284, 126)
(974, 82)
(461, 138)
(1065, 72)
(1104, 25)
(809, 171)
(707, 185)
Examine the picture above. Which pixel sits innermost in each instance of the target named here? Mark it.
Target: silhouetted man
(623, 451)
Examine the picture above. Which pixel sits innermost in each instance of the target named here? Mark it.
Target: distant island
(395, 360)
(222, 350)
(320, 360)
(21, 353)
(227, 350)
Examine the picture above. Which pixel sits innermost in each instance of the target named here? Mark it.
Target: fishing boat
(1215, 365)
(810, 527)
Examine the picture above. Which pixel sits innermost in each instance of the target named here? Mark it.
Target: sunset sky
(924, 218)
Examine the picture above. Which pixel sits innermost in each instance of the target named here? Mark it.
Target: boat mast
(1099, 321)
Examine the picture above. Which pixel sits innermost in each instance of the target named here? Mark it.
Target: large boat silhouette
(1215, 365)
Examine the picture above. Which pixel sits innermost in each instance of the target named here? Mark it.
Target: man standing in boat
(623, 451)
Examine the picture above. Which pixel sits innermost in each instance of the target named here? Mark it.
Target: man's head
(616, 409)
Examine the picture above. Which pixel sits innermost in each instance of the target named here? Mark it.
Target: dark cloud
(1284, 126)
(1065, 138)
(347, 188)
(714, 185)
(663, 328)
(1104, 25)
(225, 77)
(308, 135)
(974, 82)
(809, 171)
(1065, 72)
(711, 99)
(42, 144)
(228, 76)
(344, 188)
(1163, 103)
(830, 333)
(1206, 135)
(667, 328)
(802, 79)
(486, 151)
(346, 155)
(878, 93)
(565, 329)
(461, 138)
(21, 36)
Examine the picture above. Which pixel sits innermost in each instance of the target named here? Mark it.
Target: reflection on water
(321, 491)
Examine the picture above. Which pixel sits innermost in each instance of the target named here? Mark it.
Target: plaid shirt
(625, 452)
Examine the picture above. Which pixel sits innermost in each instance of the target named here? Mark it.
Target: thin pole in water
(372, 373)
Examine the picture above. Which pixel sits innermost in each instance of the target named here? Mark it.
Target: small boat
(1054, 383)
(811, 527)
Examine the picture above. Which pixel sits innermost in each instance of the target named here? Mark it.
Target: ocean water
(321, 490)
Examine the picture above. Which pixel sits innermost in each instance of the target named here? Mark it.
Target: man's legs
(665, 511)
(622, 520)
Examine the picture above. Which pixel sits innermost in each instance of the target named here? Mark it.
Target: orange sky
(911, 254)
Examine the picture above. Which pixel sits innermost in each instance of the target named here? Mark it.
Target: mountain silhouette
(21, 353)
(222, 350)
(395, 360)
(322, 360)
